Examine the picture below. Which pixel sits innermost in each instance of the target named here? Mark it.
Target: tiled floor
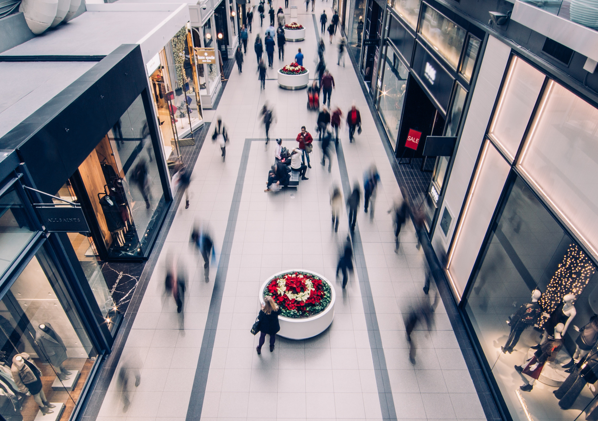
(335, 375)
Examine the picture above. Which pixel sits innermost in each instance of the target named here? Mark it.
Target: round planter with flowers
(306, 300)
(294, 32)
(293, 76)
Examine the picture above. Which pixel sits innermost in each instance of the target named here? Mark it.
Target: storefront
(525, 225)
(423, 81)
(354, 29)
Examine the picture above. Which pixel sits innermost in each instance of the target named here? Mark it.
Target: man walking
(345, 262)
(335, 20)
(323, 20)
(327, 86)
(239, 59)
(261, 69)
(323, 122)
(342, 45)
(299, 58)
(353, 205)
(281, 41)
(353, 121)
(244, 37)
(250, 18)
(270, 44)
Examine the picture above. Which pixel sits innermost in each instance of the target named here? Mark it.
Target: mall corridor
(359, 368)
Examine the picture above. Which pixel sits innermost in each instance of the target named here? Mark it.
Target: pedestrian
(327, 86)
(268, 323)
(267, 119)
(127, 370)
(305, 144)
(297, 163)
(220, 135)
(371, 178)
(261, 69)
(342, 46)
(419, 222)
(280, 17)
(400, 213)
(239, 59)
(306, 5)
(353, 121)
(202, 240)
(250, 18)
(321, 49)
(261, 10)
(271, 30)
(244, 38)
(258, 47)
(359, 29)
(321, 68)
(345, 262)
(335, 122)
(286, 4)
(323, 122)
(181, 181)
(330, 30)
(280, 41)
(423, 312)
(271, 13)
(353, 205)
(174, 283)
(270, 44)
(278, 175)
(140, 177)
(336, 206)
(326, 153)
(299, 57)
(323, 20)
(313, 5)
(335, 20)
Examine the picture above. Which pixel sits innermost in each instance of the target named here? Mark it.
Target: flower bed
(299, 294)
(293, 69)
(293, 26)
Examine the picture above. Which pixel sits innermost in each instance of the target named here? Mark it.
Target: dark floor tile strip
(207, 345)
(228, 69)
(478, 375)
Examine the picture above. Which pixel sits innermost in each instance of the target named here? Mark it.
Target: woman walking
(269, 325)
(258, 47)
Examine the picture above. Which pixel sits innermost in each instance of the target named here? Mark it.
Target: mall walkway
(359, 368)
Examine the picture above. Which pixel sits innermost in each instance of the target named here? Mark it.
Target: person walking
(371, 178)
(268, 322)
(221, 136)
(271, 13)
(323, 20)
(345, 262)
(313, 5)
(353, 205)
(239, 59)
(306, 5)
(335, 19)
(400, 213)
(330, 30)
(140, 178)
(305, 144)
(181, 181)
(270, 44)
(174, 284)
(202, 240)
(359, 30)
(280, 41)
(327, 86)
(244, 38)
(299, 57)
(342, 46)
(261, 69)
(321, 68)
(335, 122)
(422, 313)
(321, 49)
(286, 4)
(336, 206)
(323, 122)
(326, 153)
(250, 19)
(258, 47)
(354, 122)
(267, 119)
(280, 17)
(261, 11)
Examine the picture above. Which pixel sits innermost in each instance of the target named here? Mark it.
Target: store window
(408, 10)
(358, 24)
(210, 73)
(516, 104)
(528, 249)
(122, 181)
(471, 54)
(444, 35)
(560, 157)
(14, 227)
(401, 38)
(392, 94)
(46, 355)
(160, 84)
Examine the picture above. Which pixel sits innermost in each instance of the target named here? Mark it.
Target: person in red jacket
(327, 85)
(305, 140)
(335, 122)
(353, 121)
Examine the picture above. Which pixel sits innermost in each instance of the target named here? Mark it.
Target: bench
(294, 178)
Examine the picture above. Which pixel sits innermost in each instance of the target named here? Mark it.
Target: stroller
(313, 97)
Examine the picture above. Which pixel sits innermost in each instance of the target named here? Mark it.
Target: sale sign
(413, 139)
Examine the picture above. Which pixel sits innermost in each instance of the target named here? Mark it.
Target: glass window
(516, 104)
(561, 158)
(357, 27)
(444, 35)
(392, 94)
(452, 125)
(43, 343)
(210, 75)
(408, 10)
(471, 53)
(401, 37)
(528, 249)
(122, 180)
(14, 228)
(160, 84)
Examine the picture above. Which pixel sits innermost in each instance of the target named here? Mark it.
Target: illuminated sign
(206, 55)
(430, 73)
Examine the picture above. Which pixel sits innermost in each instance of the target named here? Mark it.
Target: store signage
(433, 76)
(153, 64)
(430, 73)
(413, 139)
(206, 55)
(62, 218)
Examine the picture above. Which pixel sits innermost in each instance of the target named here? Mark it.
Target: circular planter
(294, 35)
(293, 82)
(306, 327)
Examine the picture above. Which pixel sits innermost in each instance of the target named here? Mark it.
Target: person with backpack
(354, 122)
(323, 20)
(244, 37)
(281, 41)
(258, 47)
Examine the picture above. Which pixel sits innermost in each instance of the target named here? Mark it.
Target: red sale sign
(413, 139)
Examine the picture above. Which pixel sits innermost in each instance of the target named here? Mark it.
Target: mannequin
(28, 378)
(53, 349)
(526, 316)
(564, 313)
(534, 366)
(581, 375)
(588, 336)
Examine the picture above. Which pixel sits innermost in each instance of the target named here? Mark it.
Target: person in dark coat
(261, 69)
(140, 178)
(271, 13)
(323, 122)
(244, 38)
(269, 324)
(326, 146)
(250, 18)
(321, 68)
(345, 262)
(353, 121)
(330, 30)
(323, 20)
(281, 41)
(335, 20)
(202, 240)
(175, 284)
(279, 174)
(239, 59)
(54, 349)
(261, 10)
(270, 44)
(400, 213)
(327, 82)
(258, 47)
(353, 205)
(335, 122)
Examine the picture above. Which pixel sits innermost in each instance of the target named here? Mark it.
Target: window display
(471, 54)
(209, 74)
(392, 94)
(160, 84)
(408, 10)
(357, 27)
(444, 35)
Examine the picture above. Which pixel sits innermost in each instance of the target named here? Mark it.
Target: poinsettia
(293, 25)
(293, 69)
(299, 294)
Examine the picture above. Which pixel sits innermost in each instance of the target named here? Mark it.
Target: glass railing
(583, 12)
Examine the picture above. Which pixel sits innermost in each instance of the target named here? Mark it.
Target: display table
(293, 82)
(307, 327)
(294, 35)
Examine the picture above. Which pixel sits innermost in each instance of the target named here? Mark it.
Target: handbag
(256, 326)
(309, 147)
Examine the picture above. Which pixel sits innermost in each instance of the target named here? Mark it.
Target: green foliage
(179, 44)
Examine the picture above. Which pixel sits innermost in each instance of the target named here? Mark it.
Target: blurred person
(269, 325)
(271, 13)
(353, 205)
(220, 135)
(128, 370)
(297, 163)
(280, 19)
(371, 178)
(321, 49)
(335, 20)
(313, 96)
(342, 46)
(258, 47)
(422, 312)
(175, 285)
(321, 68)
(280, 41)
(400, 213)
(327, 86)
(323, 20)
(336, 206)
(305, 144)
(267, 119)
(306, 5)
(244, 38)
(181, 181)
(261, 10)
(239, 59)
(335, 122)
(299, 57)
(140, 178)
(442, 260)
(278, 151)
(271, 30)
(323, 122)
(359, 29)
(345, 261)
(250, 18)
(330, 30)
(419, 222)
(261, 70)
(313, 5)
(286, 4)
(202, 240)
(353, 121)
(326, 146)
(270, 44)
